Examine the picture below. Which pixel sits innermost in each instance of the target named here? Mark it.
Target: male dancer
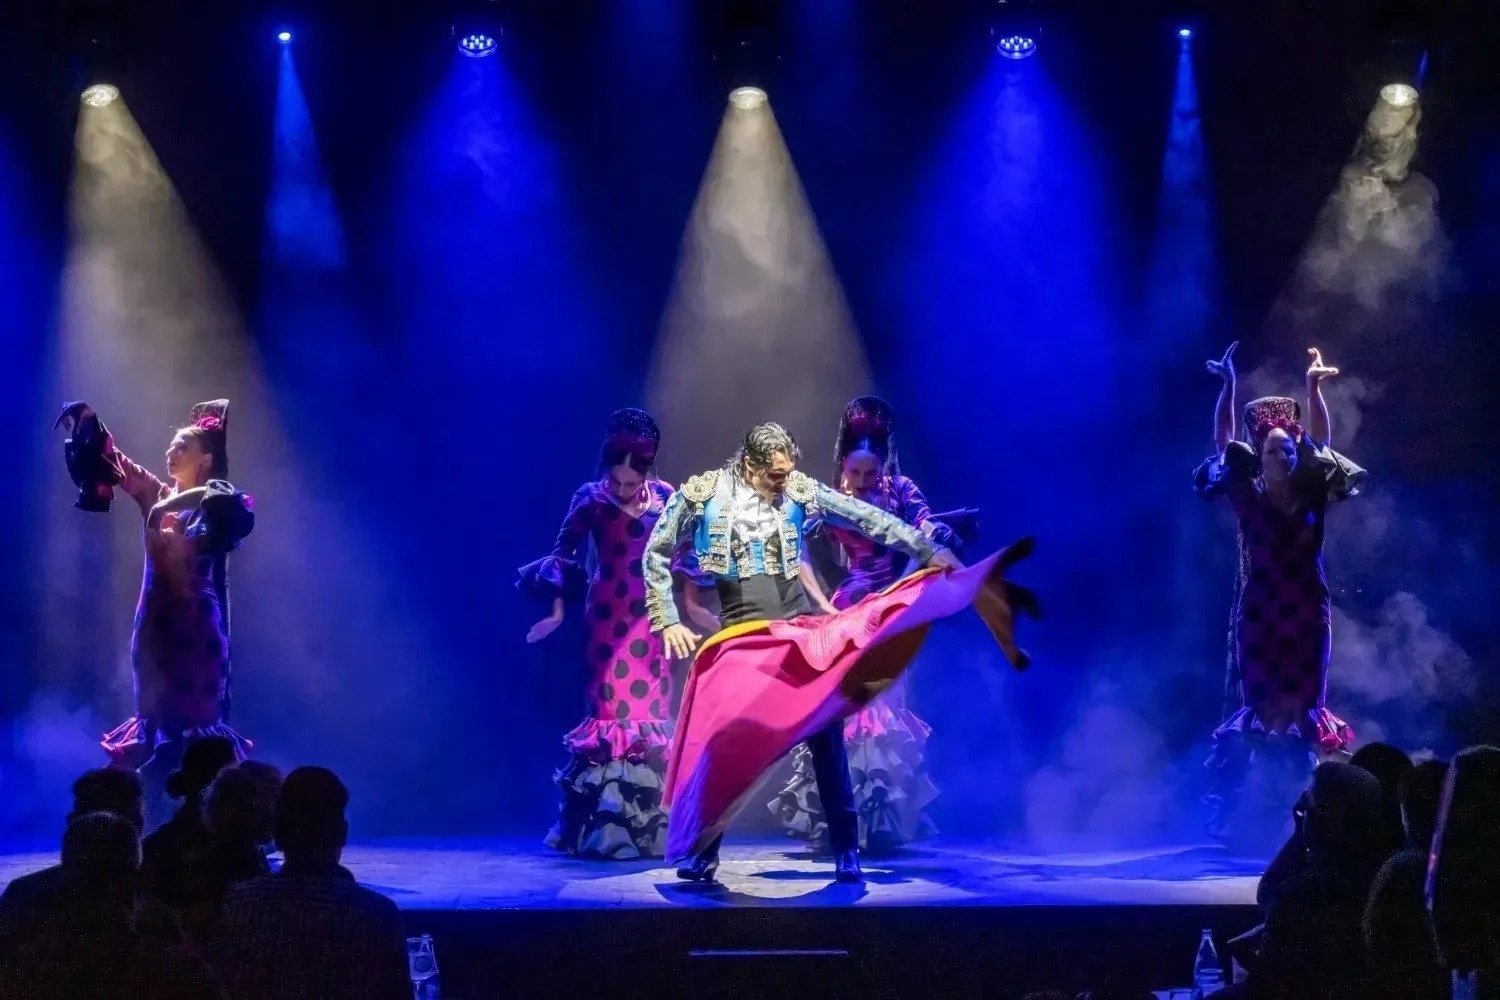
(746, 520)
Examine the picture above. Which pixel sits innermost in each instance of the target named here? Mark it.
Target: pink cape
(758, 689)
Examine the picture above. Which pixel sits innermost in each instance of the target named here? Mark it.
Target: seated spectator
(310, 930)
(165, 852)
(1463, 885)
(267, 778)
(1398, 938)
(85, 946)
(102, 789)
(239, 814)
(1421, 795)
(1312, 947)
(1389, 765)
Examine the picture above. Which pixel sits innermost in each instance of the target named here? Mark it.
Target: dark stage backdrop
(437, 282)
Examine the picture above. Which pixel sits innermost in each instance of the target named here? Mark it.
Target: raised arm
(136, 480)
(876, 524)
(1318, 426)
(1224, 408)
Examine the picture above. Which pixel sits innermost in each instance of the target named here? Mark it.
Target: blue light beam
(302, 225)
(1184, 276)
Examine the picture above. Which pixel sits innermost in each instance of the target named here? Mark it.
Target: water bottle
(421, 960)
(1208, 974)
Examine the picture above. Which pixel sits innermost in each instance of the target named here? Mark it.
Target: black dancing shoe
(846, 867)
(701, 868)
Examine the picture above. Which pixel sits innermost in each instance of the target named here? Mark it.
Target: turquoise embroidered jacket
(701, 506)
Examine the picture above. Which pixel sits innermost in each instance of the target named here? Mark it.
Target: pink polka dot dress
(613, 780)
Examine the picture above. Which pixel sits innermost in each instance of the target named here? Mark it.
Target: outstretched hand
(1317, 371)
(544, 628)
(1224, 367)
(680, 641)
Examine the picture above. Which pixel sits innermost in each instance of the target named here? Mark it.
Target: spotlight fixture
(284, 37)
(1016, 46)
(747, 98)
(101, 94)
(1399, 95)
(1184, 33)
(477, 45)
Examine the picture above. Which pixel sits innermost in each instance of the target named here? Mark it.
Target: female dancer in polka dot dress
(884, 739)
(1279, 481)
(179, 647)
(613, 780)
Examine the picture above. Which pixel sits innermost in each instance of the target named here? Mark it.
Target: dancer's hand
(1224, 367)
(945, 559)
(545, 627)
(1317, 371)
(680, 641)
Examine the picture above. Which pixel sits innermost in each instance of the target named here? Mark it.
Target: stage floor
(493, 874)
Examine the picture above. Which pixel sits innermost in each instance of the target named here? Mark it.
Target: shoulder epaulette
(801, 487)
(701, 487)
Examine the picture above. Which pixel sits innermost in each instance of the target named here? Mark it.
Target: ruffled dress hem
(131, 744)
(891, 786)
(612, 789)
(1322, 731)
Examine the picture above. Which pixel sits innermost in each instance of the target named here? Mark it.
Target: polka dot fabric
(612, 783)
(626, 660)
(179, 645)
(1281, 627)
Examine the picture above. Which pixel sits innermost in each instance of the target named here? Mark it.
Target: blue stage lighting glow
(477, 46)
(1016, 46)
(283, 37)
(1184, 33)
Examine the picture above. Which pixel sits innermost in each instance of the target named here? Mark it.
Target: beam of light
(1377, 252)
(756, 327)
(1008, 292)
(478, 203)
(302, 226)
(1183, 296)
(324, 363)
(39, 757)
(147, 327)
(1370, 289)
(1184, 280)
(484, 302)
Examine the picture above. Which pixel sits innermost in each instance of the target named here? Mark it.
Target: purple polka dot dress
(179, 645)
(613, 781)
(885, 739)
(1280, 629)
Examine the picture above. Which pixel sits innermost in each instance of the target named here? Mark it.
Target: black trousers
(768, 597)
